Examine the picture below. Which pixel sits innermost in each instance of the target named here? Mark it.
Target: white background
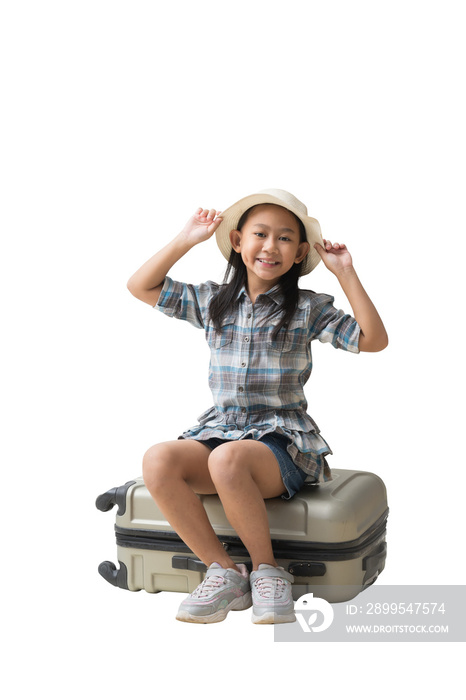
(118, 120)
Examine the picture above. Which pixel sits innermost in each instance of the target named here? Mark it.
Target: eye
(285, 238)
(259, 233)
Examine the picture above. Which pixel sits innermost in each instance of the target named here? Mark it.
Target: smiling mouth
(267, 262)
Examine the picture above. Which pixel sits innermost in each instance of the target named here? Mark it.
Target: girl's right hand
(202, 225)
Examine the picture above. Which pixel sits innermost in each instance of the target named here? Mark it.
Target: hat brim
(233, 214)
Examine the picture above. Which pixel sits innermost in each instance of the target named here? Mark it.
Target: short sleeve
(331, 325)
(187, 302)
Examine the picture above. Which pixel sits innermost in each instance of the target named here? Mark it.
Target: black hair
(236, 277)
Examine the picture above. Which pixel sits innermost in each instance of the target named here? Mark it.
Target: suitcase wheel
(117, 577)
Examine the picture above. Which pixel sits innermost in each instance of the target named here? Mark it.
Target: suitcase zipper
(282, 549)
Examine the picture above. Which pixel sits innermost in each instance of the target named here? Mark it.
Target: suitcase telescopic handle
(114, 497)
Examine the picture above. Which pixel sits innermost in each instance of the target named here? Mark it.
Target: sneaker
(222, 590)
(271, 595)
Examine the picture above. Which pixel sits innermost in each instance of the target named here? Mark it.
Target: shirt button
(243, 410)
(249, 315)
(240, 388)
(243, 364)
(246, 340)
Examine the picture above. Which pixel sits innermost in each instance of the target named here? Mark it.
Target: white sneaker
(221, 590)
(271, 595)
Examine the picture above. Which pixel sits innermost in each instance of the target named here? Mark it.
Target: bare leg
(174, 472)
(245, 472)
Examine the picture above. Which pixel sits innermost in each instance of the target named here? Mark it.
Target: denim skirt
(293, 477)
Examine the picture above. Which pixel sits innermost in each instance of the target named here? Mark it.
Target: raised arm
(337, 259)
(147, 282)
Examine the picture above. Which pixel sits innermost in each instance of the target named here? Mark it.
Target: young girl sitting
(257, 441)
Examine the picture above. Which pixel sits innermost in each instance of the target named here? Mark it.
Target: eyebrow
(282, 230)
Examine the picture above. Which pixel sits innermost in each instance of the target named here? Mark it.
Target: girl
(257, 442)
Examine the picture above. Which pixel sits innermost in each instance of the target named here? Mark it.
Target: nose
(270, 245)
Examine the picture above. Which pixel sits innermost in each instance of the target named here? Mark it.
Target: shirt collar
(275, 294)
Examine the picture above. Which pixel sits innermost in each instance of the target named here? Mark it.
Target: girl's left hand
(336, 257)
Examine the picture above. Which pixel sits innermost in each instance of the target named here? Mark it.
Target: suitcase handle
(374, 564)
(191, 564)
(188, 563)
(297, 568)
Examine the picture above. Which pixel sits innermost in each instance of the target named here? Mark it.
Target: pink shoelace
(270, 587)
(207, 586)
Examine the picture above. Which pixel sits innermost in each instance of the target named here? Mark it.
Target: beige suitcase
(331, 537)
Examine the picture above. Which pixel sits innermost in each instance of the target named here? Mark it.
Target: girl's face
(269, 244)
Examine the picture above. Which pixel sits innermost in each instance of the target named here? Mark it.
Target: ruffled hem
(307, 448)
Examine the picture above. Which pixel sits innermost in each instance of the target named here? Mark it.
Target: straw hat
(232, 215)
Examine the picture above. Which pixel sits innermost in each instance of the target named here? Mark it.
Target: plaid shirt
(258, 382)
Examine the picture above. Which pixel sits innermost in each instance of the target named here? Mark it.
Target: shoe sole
(242, 603)
(270, 618)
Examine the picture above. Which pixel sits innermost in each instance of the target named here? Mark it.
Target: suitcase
(330, 536)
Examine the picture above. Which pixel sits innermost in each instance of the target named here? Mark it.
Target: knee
(157, 467)
(225, 465)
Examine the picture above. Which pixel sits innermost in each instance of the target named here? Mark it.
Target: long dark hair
(236, 277)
